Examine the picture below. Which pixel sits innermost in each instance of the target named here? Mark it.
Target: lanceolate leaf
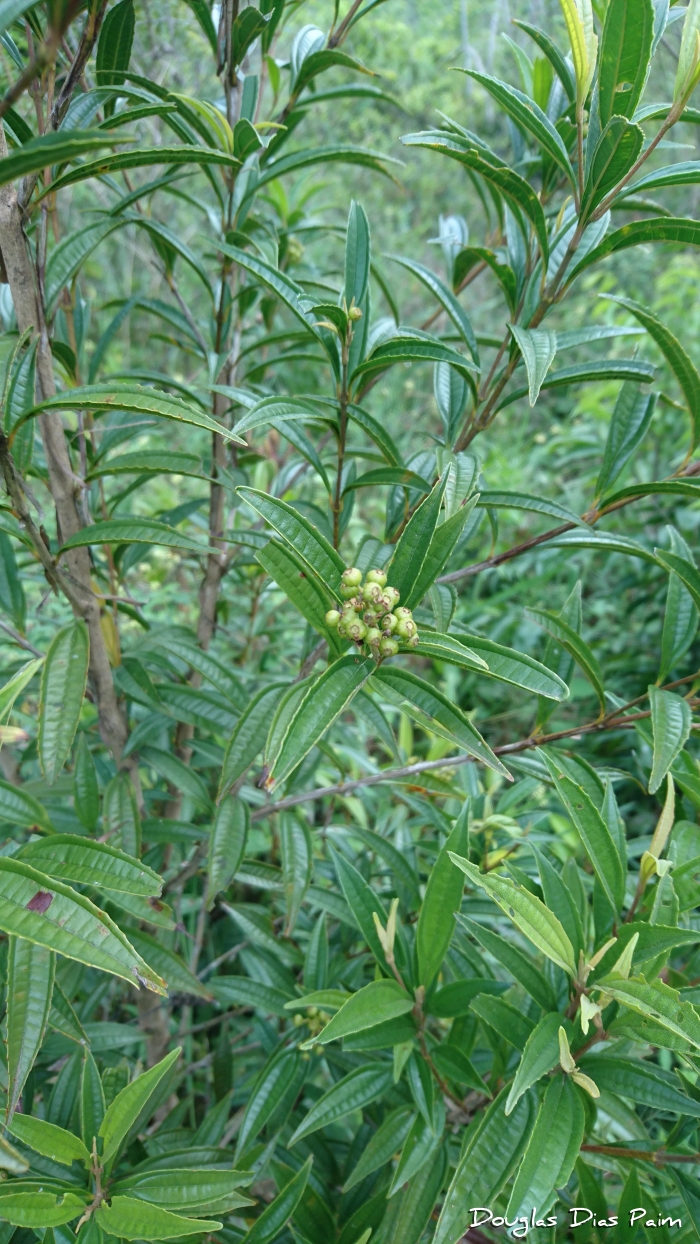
(639, 233)
(630, 420)
(133, 531)
(431, 707)
(527, 114)
(540, 1054)
(615, 153)
(671, 720)
(62, 689)
(227, 843)
(685, 570)
(658, 1002)
(30, 979)
(442, 898)
(273, 1219)
(528, 914)
(248, 738)
(681, 365)
(128, 1105)
(552, 1149)
(492, 1153)
(353, 1092)
(134, 400)
(46, 912)
(538, 347)
(593, 831)
(577, 647)
(323, 702)
(72, 857)
(412, 547)
(378, 1002)
(296, 530)
(446, 299)
(624, 56)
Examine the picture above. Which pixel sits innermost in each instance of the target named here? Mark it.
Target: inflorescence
(371, 616)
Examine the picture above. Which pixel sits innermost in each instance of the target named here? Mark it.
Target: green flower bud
(402, 612)
(390, 622)
(332, 618)
(347, 592)
(354, 313)
(376, 576)
(298, 1021)
(373, 636)
(352, 577)
(388, 647)
(357, 631)
(406, 628)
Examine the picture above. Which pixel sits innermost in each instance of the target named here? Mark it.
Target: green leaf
(519, 194)
(11, 10)
(435, 712)
(20, 808)
(597, 840)
(624, 57)
(412, 547)
(443, 541)
(528, 914)
(323, 702)
(492, 1152)
(583, 373)
(273, 1219)
(56, 147)
(685, 570)
(129, 1105)
(86, 795)
(628, 426)
(148, 462)
(138, 157)
(540, 1054)
(133, 1219)
(641, 1082)
(538, 347)
(561, 67)
(680, 615)
(515, 962)
(49, 1140)
(639, 233)
(114, 46)
(273, 409)
(40, 1209)
(443, 894)
(552, 1149)
(376, 1003)
(241, 991)
(363, 903)
(73, 857)
(31, 971)
(306, 590)
(454, 1000)
(684, 173)
(15, 685)
(655, 1001)
(248, 738)
(516, 668)
(376, 431)
(506, 1020)
(227, 843)
(527, 116)
(560, 901)
(574, 645)
(275, 1091)
(132, 531)
(385, 1142)
(671, 721)
(400, 477)
(615, 152)
(296, 850)
(449, 303)
(411, 1208)
(497, 499)
(681, 365)
(50, 914)
(355, 1091)
(203, 15)
(131, 399)
(470, 256)
(63, 681)
(357, 255)
(301, 535)
(410, 346)
(121, 816)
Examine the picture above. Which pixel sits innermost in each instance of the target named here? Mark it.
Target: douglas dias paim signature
(579, 1216)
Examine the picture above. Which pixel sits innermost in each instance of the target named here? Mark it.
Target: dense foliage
(352, 858)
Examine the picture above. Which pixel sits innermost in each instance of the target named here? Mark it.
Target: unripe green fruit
(371, 592)
(388, 647)
(351, 577)
(342, 629)
(392, 595)
(390, 622)
(403, 612)
(354, 313)
(374, 635)
(414, 641)
(348, 616)
(369, 617)
(332, 618)
(357, 631)
(406, 628)
(376, 576)
(347, 592)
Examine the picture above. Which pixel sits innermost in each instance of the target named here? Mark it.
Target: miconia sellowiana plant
(349, 889)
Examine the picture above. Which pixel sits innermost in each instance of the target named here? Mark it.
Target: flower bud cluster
(372, 615)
